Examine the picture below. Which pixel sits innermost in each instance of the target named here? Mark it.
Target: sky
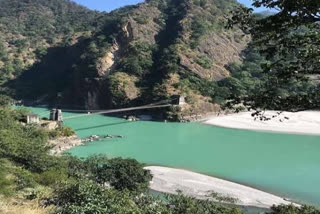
(108, 5)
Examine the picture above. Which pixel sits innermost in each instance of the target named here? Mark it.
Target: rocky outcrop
(62, 144)
(106, 63)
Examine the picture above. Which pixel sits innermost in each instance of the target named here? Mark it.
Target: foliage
(5, 182)
(199, 27)
(119, 97)
(222, 198)
(23, 178)
(137, 60)
(89, 197)
(25, 145)
(81, 40)
(291, 209)
(5, 100)
(202, 86)
(80, 185)
(204, 61)
(246, 79)
(61, 131)
(288, 39)
(30, 27)
(51, 177)
(187, 205)
(124, 174)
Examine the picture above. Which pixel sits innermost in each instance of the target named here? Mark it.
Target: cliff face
(137, 55)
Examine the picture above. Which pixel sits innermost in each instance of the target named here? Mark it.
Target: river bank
(63, 144)
(169, 180)
(305, 122)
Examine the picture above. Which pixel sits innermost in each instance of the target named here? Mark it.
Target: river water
(284, 164)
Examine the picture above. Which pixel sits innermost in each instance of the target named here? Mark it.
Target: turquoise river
(284, 164)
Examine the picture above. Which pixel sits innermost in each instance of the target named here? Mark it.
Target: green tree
(289, 40)
(123, 174)
(186, 205)
(89, 197)
(291, 209)
(5, 100)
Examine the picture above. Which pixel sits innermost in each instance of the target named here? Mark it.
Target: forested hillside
(29, 28)
(131, 56)
(57, 52)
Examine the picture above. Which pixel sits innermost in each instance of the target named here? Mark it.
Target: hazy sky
(108, 5)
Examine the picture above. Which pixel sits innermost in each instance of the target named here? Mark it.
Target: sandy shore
(305, 122)
(171, 180)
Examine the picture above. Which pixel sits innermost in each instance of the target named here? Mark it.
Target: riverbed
(287, 165)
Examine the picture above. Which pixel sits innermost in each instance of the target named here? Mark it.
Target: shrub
(23, 179)
(123, 174)
(61, 131)
(204, 61)
(5, 100)
(5, 182)
(88, 197)
(51, 177)
(291, 209)
(66, 131)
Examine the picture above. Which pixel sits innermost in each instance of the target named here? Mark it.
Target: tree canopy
(290, 41)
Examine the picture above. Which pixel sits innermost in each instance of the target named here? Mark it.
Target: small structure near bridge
(56, 115)
(178, 100)
(32, 119)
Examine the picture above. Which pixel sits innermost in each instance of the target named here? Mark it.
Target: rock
(63, 144)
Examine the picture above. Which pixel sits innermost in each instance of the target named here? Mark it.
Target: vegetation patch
(204, 62)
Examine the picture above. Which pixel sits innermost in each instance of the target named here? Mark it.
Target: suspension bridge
(56, 114)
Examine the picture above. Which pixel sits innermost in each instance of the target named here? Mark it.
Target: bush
(5, 182)
(138, 59)
(66, 131)
(25, 145)
(23, 179)
(291, 209)
(61, 131)
(204, 61)
(5, 100)
(123, 174)
(51, 177)
(188, 205)
(89, 197)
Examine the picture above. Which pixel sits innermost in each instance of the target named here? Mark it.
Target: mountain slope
(29, 27)
(132, 56)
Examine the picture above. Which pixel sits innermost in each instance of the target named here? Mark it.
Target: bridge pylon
(56, 115)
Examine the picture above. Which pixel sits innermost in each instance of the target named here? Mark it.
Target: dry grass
(28, 208)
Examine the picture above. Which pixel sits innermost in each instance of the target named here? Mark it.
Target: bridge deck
(117, 110)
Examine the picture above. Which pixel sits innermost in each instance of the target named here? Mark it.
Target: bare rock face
(106, 63)
(92, 100)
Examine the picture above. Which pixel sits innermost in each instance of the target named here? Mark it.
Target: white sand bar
(169, 180)
(305, 122)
